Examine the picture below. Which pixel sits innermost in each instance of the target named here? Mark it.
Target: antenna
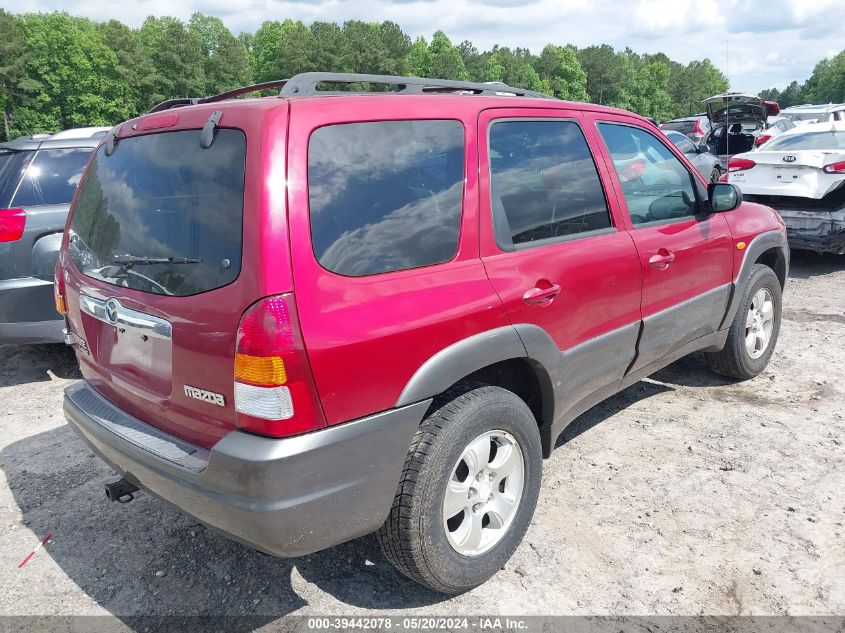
(728, 103)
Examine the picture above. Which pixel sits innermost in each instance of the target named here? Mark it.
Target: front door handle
(662, 259)
(541, 295)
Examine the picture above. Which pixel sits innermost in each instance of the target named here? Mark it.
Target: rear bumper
(286, 497)
(28, 313)
(819, 231)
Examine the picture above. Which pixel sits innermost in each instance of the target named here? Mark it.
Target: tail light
(59, 289)
(723, 177)
(274, 388)
(763, 138)
(835, 168)
(12, 223)
(740, 164)
(698, 129)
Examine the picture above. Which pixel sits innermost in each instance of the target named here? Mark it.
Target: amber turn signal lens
(260, 370)
(60, 304)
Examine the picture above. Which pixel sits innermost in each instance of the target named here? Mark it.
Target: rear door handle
(661, 259)
(541, 295)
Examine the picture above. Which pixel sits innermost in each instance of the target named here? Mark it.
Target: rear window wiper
(127, 261)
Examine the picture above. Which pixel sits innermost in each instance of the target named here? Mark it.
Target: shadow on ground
(23, 364)
(147, 559)
(806, 264)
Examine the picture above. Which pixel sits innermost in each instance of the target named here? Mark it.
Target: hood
(739, 107)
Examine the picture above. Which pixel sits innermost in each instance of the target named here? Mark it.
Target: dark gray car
(38, 177)
(707, 164)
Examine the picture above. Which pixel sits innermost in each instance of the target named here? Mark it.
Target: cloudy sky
(760, 43)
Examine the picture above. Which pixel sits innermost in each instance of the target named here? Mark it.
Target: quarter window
(544, 183)
(386, 195)
(656, 185)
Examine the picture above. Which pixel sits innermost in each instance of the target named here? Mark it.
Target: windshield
(812, 140)
(803, 116)
(161, 214)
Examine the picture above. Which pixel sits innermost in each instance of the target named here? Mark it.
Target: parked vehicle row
(807, 113)
(38, 178)
(304, 318)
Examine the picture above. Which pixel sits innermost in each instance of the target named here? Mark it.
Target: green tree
(827, 83)
(71, 78)
(281, 50)
(12, 67)
(330, 47)
(417, 62)
(690, 85)
(515, 68)
(473, 60)
(133, 64)
(177, 56)
(607, 73)
(559, 66)
(226, 60)
(446, 61)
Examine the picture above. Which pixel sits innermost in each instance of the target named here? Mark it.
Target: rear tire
(754, 331)
(452, 554)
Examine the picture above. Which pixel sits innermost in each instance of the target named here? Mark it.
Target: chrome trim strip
(113, 313)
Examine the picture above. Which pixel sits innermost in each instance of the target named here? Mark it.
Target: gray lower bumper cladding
(286, 497)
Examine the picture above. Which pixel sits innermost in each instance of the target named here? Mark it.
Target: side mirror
(723, 196)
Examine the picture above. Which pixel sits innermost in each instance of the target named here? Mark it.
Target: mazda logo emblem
(789, 159)
(112, 306)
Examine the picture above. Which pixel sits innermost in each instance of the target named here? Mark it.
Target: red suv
(307, 317)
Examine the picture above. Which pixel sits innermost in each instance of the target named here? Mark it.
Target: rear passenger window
(656, 185)
(385, 196)
(51, 177)
(544, 183)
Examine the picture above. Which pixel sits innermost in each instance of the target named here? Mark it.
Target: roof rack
(306, 84)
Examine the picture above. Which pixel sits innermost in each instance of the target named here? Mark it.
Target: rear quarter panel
(367, 336)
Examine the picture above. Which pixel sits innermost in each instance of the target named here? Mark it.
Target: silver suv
(38, 177)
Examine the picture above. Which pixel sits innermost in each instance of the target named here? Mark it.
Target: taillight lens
(12, 223)
(59, 289)
(835, 168)
(274, 388)
(763, 138)
(740, 164)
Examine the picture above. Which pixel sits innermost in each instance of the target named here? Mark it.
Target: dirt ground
(685, 494)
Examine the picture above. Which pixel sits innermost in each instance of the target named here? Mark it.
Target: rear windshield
(52, 177)
(162, 215)
(811, 140)
(684, 127)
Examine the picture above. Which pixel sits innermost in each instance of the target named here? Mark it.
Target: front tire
(468, 490)
(754, 331)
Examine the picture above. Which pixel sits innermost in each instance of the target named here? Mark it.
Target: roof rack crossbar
(305, 84)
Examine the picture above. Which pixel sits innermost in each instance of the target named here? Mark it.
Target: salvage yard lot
(684, 494)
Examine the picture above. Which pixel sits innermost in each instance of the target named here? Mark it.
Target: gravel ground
(685, 494)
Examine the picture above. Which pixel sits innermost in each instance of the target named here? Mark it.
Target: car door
(686, 254)
(556, 252)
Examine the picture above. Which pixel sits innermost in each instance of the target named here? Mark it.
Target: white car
(807, 113)
(800, 174)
